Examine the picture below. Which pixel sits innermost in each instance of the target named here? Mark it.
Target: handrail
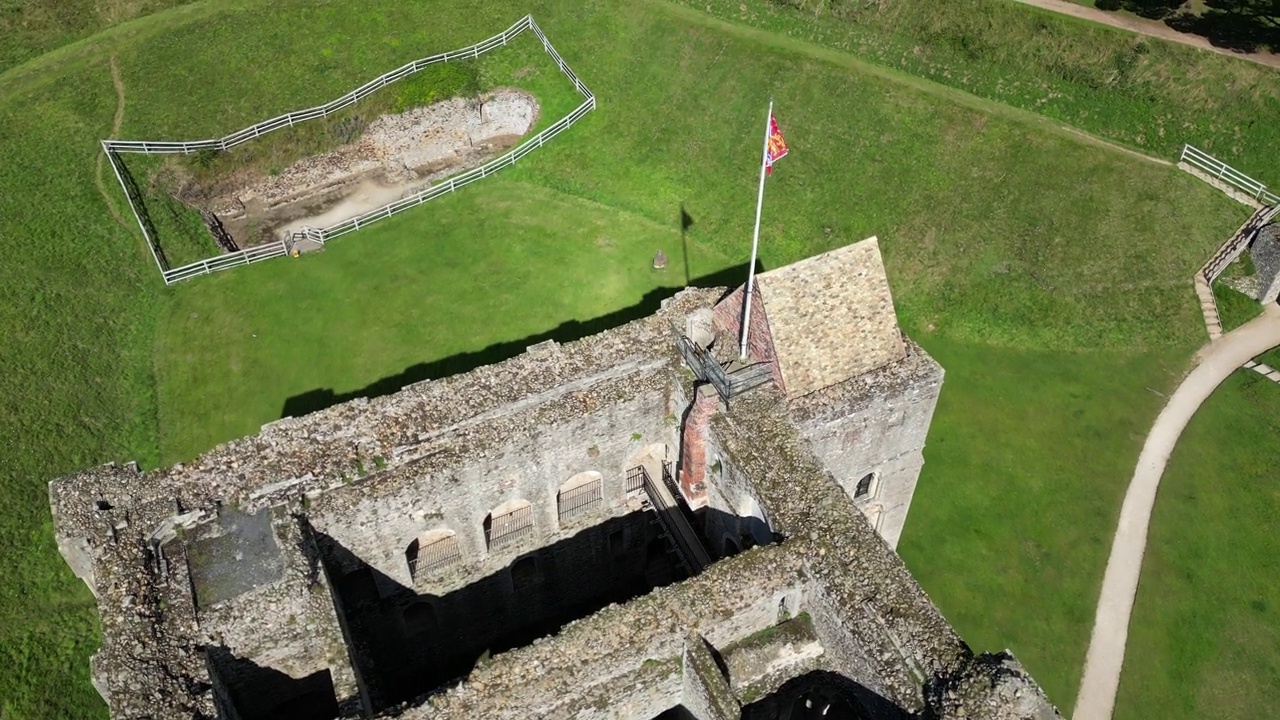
(684, 551)
(1225, 173)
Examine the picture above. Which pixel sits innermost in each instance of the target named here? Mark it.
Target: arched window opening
(864, 485)
(753, 528)
(432, 552)
(524, 573)
(580, 496)
(509, 524)
(419, 619)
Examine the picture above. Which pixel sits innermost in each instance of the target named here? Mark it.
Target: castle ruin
(633, 525)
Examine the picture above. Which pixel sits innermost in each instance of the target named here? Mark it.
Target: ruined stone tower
(633, 525)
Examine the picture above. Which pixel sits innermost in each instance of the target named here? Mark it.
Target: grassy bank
(1142, 92)
(1203, 640)
(38, 26)
(1027, 463)
(78, 301)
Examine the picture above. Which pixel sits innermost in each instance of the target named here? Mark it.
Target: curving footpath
(1216, 361)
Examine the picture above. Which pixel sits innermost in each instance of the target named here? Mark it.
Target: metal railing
(1218, 262)
(1218, 170)
(435, 556)
(693, 560)
(1236, 244)
(579, 501)
(290, 119)
(635, 480)
(322, 235)
(708, 369)
(510, 528)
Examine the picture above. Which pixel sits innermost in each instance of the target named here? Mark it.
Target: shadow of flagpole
(686, 222)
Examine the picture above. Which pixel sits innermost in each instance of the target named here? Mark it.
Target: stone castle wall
(270, 576)
(876, 424)
(1265, 253)
(521, 461)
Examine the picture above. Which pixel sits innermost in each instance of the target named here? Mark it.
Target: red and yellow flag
(777, 146)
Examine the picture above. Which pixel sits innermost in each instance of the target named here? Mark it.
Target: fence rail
(290, 119)
(323, 235)
(1218, 170)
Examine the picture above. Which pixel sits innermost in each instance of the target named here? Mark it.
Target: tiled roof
(832, 317)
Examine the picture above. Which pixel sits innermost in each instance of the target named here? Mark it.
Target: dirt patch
(118, 83)
(396, 156)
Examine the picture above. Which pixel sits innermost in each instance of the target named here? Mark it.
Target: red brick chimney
(693, 446)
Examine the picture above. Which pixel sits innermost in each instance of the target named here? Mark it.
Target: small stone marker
(660, 261)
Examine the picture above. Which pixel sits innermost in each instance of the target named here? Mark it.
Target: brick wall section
(693, 446)
(727, 324)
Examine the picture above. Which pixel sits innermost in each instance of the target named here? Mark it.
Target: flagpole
(755, 236)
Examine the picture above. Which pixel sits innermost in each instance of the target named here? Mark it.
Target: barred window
(582, 494)
(509, 524)
(635, 480)
(432, 552)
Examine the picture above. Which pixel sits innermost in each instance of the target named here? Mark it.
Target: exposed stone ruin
(395, 156)
(633, 525)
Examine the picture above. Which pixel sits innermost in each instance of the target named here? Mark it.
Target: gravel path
(1154, 28)
(1105, 659)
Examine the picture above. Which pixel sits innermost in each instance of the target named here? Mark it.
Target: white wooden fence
(323, 235)
(1218, 170)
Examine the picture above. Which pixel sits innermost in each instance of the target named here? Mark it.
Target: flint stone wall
(590, 670)
(1265, 253)
(111, 522)
(434, 450)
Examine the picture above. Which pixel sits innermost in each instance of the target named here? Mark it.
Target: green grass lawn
(405, 300)
(1025, 469)
(1204, 640)
(1032, 252)
(1143, 92)
(1234, 307)
(30, 28)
